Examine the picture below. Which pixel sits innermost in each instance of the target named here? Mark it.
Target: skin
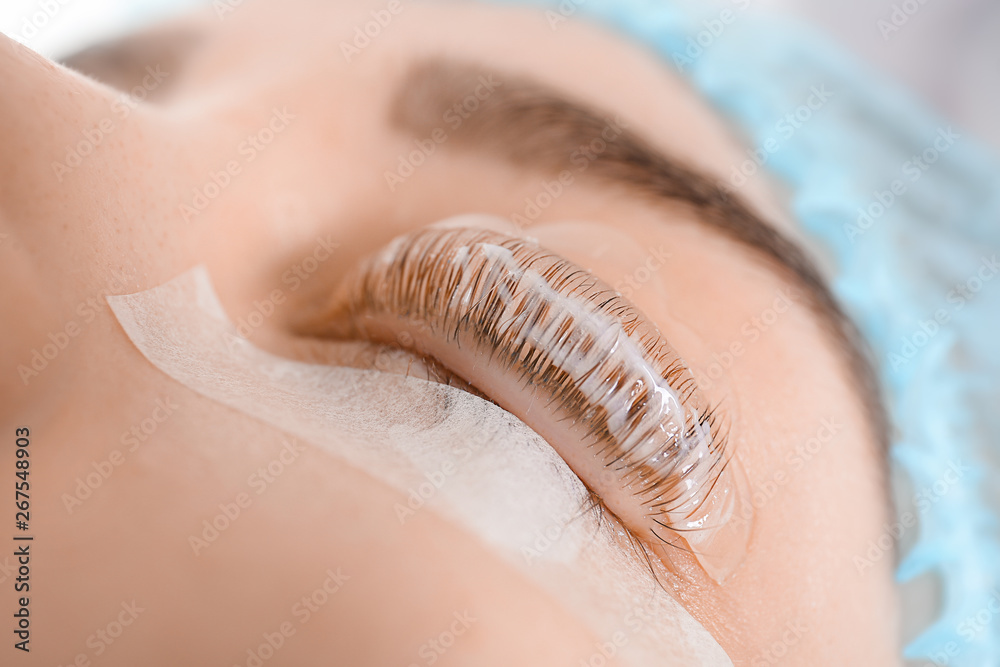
(112, 225)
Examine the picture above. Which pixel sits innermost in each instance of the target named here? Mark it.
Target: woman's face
(280, 145)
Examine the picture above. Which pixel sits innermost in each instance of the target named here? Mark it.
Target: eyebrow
(533, 126)
(121, 62)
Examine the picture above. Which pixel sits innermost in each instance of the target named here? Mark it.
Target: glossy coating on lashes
(593, 375)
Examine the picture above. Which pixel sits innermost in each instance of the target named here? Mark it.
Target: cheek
(470, 602)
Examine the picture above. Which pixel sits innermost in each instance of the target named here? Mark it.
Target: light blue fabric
(894, 274)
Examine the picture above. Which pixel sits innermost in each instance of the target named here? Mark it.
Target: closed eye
(577, 362)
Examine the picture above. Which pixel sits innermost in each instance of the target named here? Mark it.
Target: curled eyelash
(594, 359)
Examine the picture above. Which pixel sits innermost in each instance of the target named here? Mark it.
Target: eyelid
(576, 361)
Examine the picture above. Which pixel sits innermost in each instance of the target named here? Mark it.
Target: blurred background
(946, 51)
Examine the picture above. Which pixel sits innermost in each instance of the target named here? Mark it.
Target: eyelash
(500, 292)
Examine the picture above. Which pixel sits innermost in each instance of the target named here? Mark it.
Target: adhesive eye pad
(507, 488)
